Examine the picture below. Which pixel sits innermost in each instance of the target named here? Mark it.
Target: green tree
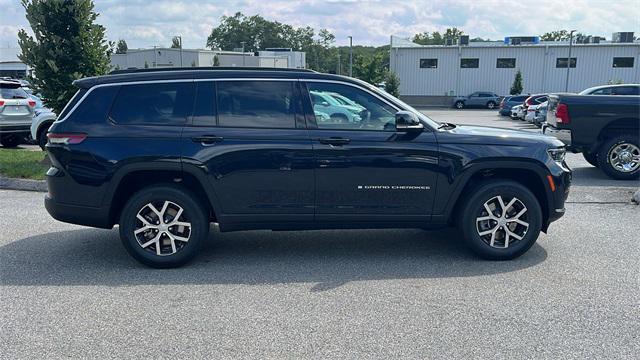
(216, 60)
(435, 38)
(146, 64)
(175, 43)
(557, 35)
(392, 83)
(121, 47)
(68, 45)
(516, 87)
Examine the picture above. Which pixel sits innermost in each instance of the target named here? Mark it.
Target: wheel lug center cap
(163, 227)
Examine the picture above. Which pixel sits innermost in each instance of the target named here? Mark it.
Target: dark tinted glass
(623, 62)
(153, 104)
(74, 100)
(12, 92)
(506, 63)
(625, 90)
(518, 98)
(95, 107)
(562, 62)
(204, 110)
(428, 63)
(605, 91)
(263, 104)
(469, 63)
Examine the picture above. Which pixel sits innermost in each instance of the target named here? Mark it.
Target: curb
(23, 184)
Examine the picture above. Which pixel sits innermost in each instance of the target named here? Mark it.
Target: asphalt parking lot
(69, 291)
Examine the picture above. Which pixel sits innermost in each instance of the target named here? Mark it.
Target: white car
(42, 119)
(531, 113)
(517, 112)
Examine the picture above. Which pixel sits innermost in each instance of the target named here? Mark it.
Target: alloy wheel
(500, 225)
(625, 157)
(163, 232)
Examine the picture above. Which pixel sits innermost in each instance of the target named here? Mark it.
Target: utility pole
(180, 37)
(242, 42)
(155, 56)
(566, 85)
(350, 56)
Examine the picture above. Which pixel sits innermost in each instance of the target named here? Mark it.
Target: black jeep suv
(163, 153)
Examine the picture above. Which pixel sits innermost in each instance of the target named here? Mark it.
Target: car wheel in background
(10, 141)
(459, 104)
(42, 136)
(163, 226)
(501, 220)
(491, 105)
(619, 157)
(592, 158)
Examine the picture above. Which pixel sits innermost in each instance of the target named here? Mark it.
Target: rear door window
(625, 90)
(257, 104)
(204, 110)
(153, 104)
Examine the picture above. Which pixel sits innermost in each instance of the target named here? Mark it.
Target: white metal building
(432, 74)
(169, 57)
(10, 65)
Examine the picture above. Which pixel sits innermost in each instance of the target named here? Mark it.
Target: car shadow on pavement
(328, 258)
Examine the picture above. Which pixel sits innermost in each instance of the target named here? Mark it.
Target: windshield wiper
(447, 126)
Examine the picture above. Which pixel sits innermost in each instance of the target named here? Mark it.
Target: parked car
(605, 129)
(619, 89)
(477, 99)
(510, 101)
(541, 114)
(16, 113)
(42, 120)
(163, 155)
(533, 100)
(337, 112)
(531, 113)
(517, 112)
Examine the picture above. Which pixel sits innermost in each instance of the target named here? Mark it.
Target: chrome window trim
(394, 106)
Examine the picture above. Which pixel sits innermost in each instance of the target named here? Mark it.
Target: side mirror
(407, 121)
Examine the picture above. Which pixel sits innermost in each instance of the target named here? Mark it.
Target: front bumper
(562, 135)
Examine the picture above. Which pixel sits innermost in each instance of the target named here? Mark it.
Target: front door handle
(336, 141)
(207, 139)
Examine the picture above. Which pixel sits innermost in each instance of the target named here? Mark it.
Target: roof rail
(168, 69)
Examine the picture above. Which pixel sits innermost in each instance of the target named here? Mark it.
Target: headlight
(557, 154)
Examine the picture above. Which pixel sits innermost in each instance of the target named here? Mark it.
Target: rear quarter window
(153, 104)
(94, 107)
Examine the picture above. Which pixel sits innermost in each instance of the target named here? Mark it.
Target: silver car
(16, 113)
(484, 99)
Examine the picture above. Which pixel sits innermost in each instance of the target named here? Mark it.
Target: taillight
(562, 114)
(66, 139)
(1, 102)
(32, 103)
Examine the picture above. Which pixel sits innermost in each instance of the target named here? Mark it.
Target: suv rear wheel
(501, 220)
(491, 105)
(619, 157)
(163, 226)
(459, 104)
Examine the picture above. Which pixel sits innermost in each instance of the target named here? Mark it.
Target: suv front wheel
(163, 226)
(501, 220)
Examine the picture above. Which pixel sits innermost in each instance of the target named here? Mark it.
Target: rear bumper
(80, 215)
(15, 129)
(505, 111)
(562, 135)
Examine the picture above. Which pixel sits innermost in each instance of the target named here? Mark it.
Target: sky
(155, 22)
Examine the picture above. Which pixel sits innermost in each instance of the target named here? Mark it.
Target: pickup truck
(604, 128)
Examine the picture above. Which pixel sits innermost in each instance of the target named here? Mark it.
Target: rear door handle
(335, 141)
(207, 139)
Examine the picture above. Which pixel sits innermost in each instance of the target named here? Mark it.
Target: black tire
(491, 105)
(42, 135)
(459, 105)
(474, 209)
(193, 212)
(604, 157)
(10, 141)
(592, 158)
